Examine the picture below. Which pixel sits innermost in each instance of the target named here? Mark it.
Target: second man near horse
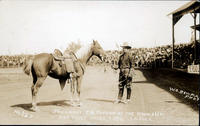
(126, 66)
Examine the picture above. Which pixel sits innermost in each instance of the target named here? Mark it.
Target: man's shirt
(125, 61)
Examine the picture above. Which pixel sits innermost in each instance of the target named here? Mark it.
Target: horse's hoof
(73, 104)
(80, 104)
(35, 109)
(117, 101)
(76, 100)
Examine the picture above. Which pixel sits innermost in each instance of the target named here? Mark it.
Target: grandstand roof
(190, 7)
(197, 27)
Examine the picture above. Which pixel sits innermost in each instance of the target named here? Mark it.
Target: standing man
(126, 66)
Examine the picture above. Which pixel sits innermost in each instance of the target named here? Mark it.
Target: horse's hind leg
(35, 89)
(34, 82)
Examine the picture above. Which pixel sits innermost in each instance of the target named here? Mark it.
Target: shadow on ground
(166, 78)
(141, 82)
(27, 106)
(100, 100)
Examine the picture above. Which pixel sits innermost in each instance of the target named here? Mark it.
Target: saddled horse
(44, 64)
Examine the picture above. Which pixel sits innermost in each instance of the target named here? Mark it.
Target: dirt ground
(149, 105)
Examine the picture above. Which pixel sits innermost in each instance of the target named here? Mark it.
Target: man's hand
(131, 73)
(114, 67)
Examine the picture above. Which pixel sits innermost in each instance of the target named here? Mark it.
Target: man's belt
(125, 68)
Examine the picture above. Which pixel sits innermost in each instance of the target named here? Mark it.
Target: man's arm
(119, 61)
(118, 64)
(132, 65)
(132, 61)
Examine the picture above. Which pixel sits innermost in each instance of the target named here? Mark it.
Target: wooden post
(173, 40)
(195, 42)
(198, 49)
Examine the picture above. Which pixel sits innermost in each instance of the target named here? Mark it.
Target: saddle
(66, 60)
(65, 64)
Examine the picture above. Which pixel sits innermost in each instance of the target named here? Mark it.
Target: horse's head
(98, 51)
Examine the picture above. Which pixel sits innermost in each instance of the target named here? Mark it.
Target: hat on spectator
(126, 45)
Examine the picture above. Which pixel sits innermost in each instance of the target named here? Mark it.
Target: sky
(33, 26)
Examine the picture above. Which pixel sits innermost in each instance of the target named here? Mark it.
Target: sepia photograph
(99, 62)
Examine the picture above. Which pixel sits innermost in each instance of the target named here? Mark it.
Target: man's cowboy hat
(126, 45)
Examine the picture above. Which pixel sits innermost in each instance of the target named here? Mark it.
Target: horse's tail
(27, 65)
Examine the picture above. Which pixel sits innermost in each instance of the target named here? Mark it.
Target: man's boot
(128, 98)
(120, 95)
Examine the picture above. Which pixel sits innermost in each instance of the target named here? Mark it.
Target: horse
(44, 64)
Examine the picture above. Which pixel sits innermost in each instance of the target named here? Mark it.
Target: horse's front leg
(72, 89)
(78, 89)
(35, 89)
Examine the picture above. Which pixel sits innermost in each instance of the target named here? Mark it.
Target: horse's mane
(83, 51)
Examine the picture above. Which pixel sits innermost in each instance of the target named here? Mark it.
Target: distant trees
(73, 46)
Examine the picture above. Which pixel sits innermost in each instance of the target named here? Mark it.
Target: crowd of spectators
(155, 57)
(144, 57)
(7, 61)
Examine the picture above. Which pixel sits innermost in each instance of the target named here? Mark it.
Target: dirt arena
(149, 104)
